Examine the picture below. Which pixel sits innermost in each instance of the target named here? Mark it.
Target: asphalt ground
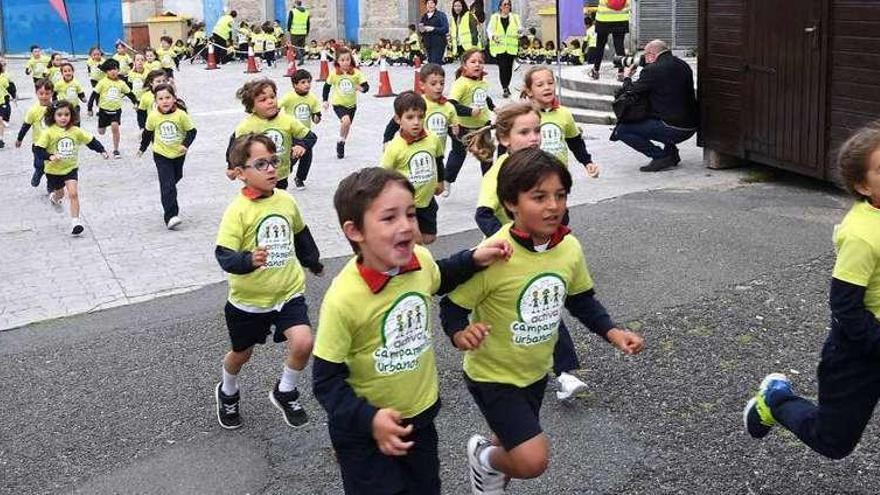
(726, 285)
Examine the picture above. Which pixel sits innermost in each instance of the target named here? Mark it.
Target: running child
(53, 72)
(849, 369)
(38, 64)
(8, 93)
(418, 156)
(180, 50)
(291, 138)
(93, 65)
(517, 310)
(374, 368)
(171, 131)
(109, 93)
(263, 243)
(147, 101)
(68, 88)
(137, 75)
(152, 61)
(268, 43)
(58, 148)
(243, 36)
(124, 60)
(301, 104)
(165, 53)
(35, 119)
(470, 96)
(345, 81)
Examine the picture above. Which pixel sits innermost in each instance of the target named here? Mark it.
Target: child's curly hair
(854, 155)
(251, 89)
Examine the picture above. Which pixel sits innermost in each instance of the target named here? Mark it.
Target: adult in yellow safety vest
(612, 18)
(464, 29)
(298, 25)
(222, 35)
(504, 30)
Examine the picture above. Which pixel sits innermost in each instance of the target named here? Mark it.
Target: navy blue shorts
(366, 470)
(107, 117)
(513, 413)
(247, 329)
(56, 182)
(342, 111)
(427, 218)
(5, 112)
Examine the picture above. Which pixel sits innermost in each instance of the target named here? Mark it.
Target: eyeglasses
(263, 163)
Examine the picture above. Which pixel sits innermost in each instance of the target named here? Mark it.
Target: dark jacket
(669, 85)
(441, 28)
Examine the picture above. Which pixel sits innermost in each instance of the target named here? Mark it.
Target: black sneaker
(116, 155)
(506, 93)
(298, 184)
(227, 408)
(340, 149)
(659, 164)
(2, 144)
(35, 179)
(288, 403)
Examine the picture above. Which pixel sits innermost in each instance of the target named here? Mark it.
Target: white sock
(288, 379)
(230, 383)
(484, 458)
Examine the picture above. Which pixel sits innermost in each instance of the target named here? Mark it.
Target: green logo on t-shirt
(406, 334)
(539, 309)
(552, 138)
(437, 123)
(346, 86)
(421, 168)
(278, 138)
(66, 148)
(168, 132)
(303, 113)
(274, 234)
(480, 96)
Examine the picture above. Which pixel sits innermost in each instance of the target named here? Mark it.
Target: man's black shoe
(659, 164)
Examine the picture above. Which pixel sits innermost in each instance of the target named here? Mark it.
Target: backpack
(616, 4)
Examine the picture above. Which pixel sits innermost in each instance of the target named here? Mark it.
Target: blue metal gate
(352, 20)
(71, 26)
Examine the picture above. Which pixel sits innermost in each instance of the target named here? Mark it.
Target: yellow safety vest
(509, 41)
(460, 33)
(300, 22)
(607, 14)
(223, 28)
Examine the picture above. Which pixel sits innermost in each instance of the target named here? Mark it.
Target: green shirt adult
(223, 28)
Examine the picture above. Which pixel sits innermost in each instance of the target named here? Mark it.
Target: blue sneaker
(757, 417)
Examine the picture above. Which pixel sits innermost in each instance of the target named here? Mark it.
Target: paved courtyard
(126, 255)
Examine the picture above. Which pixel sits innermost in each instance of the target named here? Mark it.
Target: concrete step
(586, 101)
(604, 86)
(583, 116)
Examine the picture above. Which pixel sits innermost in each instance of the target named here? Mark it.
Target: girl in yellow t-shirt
(470, 96)
(346, 81)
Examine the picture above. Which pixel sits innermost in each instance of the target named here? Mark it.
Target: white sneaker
(447, 189)
(173, 222)
(76, 227)
(483, 481)
(56, 203)
(569, 386)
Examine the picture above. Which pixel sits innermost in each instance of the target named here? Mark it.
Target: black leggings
(505, 68)
(457, 156)
(602, 40)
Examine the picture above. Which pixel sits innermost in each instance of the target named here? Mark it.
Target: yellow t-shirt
(65, 144)
(300, 107)
(857, 241)
(438, 118)
(165, 57)
(124, 62)
(271, 223)
(37, 67)
(472, 93)
(151, 66)
(136, 79)
(557, 126)
(146, 101)
(169, 131)
(345, 87)
(34, 117)
(385, 339)
(69, 91)
(110, 93)
(417, 162)
(489, 191)
(281, 129)
(4, 88)
(95, 74)
(522, 300)
(54, 74)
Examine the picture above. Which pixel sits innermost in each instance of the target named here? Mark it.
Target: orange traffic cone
(384, 81)
(325, 68)
(251, 62)
(417, 82)
(212, 61)
(291, 62)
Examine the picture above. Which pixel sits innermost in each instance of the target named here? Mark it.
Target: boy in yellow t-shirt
(8, 93)
(374, 370)
(418, 155)
(38, 64)
(304, 106)
(108, 94)
(346, 82)
(166, 55)
(263, 243)
(33, 119)
(521, 301)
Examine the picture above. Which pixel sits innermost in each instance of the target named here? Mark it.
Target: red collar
(377, 280)
(409, 140)
(252, 194)
(554, 105)
(525, 240)
(440, 101)
(474, 78)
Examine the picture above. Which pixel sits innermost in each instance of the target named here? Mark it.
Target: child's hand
(106, 155)
(297, 151)
(259, 256)
(388, 433)
(54, 158)
(182, 148)
(475, 112)
(471, 337)
(439, 189)
(18, 144)
(592, 170)
(625, 340)
(489, 252)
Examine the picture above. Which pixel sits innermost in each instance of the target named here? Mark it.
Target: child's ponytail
(479, 142)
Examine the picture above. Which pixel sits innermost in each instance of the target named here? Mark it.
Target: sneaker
(35, 179)
(569, 386)
(340, 149)
(447, 189)
(227, 408)
(659, 164)
(173, 222)
(483, 481)
(76, 227)
(594, 74)
(506, 93)
(298, 184)
(2, 144)
(55, 202)
(288, 403)
(116, 155)
(757, 417)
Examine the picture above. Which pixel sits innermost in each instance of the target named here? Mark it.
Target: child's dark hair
(409, 100)
(356, 192)
(412, 27)
(56, 105)
(241, 148)
(431, 70)
(301, 75)
(267, 27)
(166, 39)
(533, 31)
(170, 89)
(34, 47)
(251, 89)
(44, 83)
(529, 76)
(153, 74)
(470, 52)
(524, 170)
(854, 155)
(109, 64)
(342, 50)
(479, 142)
(93, 49)
(66, 64)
